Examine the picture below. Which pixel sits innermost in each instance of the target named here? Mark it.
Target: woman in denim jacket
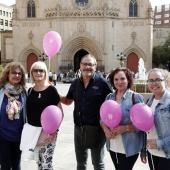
(124, 142)
(158, 137)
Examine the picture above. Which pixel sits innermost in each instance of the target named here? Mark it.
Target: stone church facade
(104, 28)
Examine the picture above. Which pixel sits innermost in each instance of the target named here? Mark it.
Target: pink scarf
(13, 107)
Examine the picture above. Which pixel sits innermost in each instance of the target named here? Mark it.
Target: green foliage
(161, 55)
(1, 69)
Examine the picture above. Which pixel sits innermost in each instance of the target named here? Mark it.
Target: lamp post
(168, 65)
(121, 58)
(43, 57)
(0, 57)
(68, 67)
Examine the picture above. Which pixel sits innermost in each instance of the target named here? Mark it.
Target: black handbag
(92, 137)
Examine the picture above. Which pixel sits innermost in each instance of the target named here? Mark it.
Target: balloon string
(49, 64)
(115, 151)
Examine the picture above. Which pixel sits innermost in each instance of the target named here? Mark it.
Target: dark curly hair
(128, 74)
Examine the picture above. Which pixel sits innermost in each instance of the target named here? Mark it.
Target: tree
(161, 54)
(1, 69)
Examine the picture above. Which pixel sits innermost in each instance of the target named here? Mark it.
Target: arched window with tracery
(81, 1)
(133, 8)
(31, 9)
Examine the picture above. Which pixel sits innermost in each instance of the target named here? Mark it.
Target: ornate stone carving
(100, 12)
(79, 5)
(30, 35)
(133, 35)
(81, 26)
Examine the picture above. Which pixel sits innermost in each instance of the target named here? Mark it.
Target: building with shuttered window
(161, 24)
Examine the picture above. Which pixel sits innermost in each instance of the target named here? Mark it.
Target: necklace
(39, 96)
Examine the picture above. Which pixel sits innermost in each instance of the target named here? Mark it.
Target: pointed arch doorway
(77, 58)
(30, 60)
(132, 62)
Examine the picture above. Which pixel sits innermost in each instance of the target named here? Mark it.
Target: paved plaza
(64, 157)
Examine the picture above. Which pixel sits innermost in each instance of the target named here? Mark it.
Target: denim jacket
(23, 97)
(162, 122)
(133, 141)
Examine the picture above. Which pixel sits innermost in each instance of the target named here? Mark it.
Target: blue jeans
(10, 154)
(97, 155)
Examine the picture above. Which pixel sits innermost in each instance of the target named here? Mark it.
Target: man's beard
(87, 73)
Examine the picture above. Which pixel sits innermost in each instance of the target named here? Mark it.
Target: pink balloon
(52, 43)
(142, 117)
(51, 119)
(111, 113)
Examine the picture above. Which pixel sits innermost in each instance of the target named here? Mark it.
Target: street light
(0, 57)
(121, 58)
(43, 57)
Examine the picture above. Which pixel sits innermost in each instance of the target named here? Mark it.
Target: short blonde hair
(39, 65)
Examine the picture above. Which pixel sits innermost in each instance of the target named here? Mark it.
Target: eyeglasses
(88, 64)
(15, 73)
(38, 70)
(156, 81)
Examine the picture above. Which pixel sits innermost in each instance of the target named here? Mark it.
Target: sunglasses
(38, 70)
(15, 73)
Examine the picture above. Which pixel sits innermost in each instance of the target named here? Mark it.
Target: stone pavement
(64, 157)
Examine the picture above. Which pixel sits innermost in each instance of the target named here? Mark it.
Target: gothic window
(31, 9)
(133, 8)
(81, 1)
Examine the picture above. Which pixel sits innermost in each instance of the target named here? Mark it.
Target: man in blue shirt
(88, 92)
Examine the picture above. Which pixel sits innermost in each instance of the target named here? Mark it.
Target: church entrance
(77, 58)
(30, 60)
(132, 62)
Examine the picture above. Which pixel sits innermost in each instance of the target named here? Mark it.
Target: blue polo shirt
(88, 100)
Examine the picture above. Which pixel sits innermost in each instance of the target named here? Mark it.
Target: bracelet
(127, 128)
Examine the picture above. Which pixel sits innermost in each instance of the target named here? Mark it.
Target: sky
(153, 2)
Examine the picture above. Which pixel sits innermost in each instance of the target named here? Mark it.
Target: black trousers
(159, 163)
(121, 162)
(10, 154)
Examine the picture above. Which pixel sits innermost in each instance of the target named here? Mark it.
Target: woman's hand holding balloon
(50, 138)
(119, 130)
(108, 133)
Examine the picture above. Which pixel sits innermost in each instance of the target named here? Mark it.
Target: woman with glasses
(12, 114)
(40, 96)
(124, 142)
(158, 137)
